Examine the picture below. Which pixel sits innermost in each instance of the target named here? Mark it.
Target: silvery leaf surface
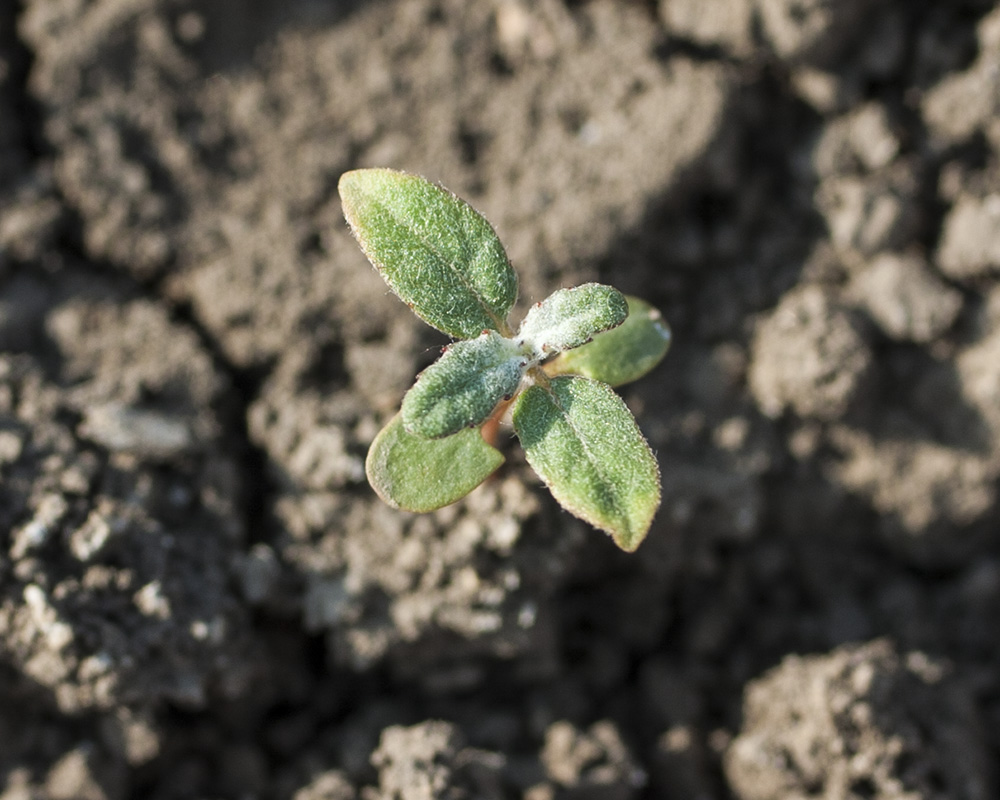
(462, 388)
(570, 318)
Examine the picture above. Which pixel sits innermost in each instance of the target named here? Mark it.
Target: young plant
(554, 373)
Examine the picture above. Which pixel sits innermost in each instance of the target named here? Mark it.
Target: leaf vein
(501, 324)
(606, 483)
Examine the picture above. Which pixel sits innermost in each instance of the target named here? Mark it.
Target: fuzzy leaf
(570, 317)
(582, 440)
(462, 388)
(417, 474)
(434, 250)
(623, 354)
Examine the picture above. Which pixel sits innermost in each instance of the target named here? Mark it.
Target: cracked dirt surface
(201, 597)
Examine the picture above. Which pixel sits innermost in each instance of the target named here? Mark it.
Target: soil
(200, 596)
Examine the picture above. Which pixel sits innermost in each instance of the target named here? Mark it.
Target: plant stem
(490, 429)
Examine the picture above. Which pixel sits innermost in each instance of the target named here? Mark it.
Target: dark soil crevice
(27, 113)
(258, 487)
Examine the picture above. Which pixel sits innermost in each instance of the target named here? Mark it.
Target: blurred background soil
(200, 597)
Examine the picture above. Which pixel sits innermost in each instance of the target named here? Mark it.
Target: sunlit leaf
(582, 440)
(622, 354)
(463, 387)
(434, 250)
(570, 317)
(417, 474)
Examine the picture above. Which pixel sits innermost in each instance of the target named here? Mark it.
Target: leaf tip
(346, 180)
(660, 325)
(376, 469)
(350, 184)
(349, 187)
(354, 185)
(629, 540)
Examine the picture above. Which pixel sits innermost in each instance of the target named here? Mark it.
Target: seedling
(554, 374)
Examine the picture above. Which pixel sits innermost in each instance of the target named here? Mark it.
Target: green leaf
(462, 388)
(582, 440)
(417, 474)
(570, 317)
(623, 354)
(434, 250)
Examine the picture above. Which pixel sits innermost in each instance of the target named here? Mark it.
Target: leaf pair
(444, 260)
(463, 387)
